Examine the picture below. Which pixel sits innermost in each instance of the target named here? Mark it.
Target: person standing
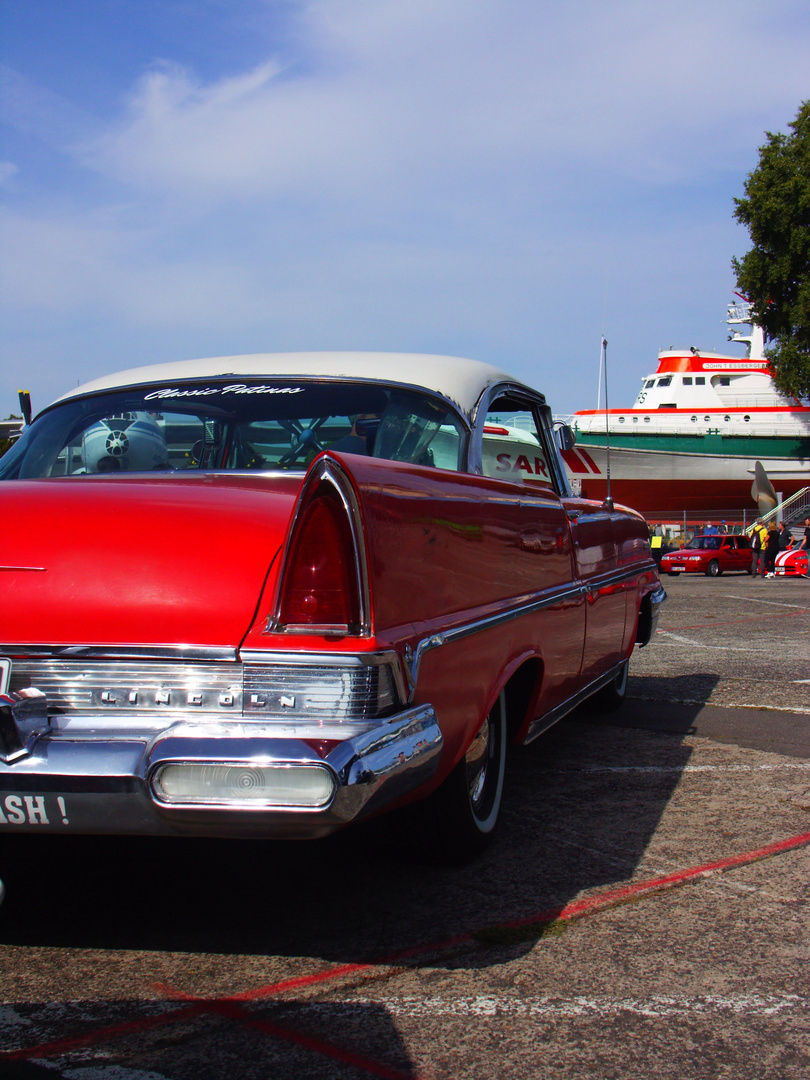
(785, 537)
(805, 544)
(771, 550)
(756, 546)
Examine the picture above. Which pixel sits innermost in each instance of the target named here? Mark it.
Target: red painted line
(590, 905)
(303, 980)
(616, 896)
(77, 1042)
(232, 1008)
(346, 1057)
(577, 909)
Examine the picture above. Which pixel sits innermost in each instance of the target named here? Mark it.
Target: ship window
(746, 418)
(646, 419)
(707, 418)
(621, 419)
(725, 380)
(668, 405)
(635, 419)
(687, 380)
(727, 418)
(666, 381)
(700, 380)
(694, 419)
(649, 383)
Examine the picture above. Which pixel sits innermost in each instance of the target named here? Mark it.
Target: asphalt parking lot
(645, 913)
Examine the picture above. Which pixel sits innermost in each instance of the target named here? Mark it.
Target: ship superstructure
(691, 439)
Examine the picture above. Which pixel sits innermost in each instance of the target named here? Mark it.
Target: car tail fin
(323, 585)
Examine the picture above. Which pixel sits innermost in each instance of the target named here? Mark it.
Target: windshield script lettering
(207, 391)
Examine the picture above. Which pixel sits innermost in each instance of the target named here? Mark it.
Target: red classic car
(271, 595)
(710, 555)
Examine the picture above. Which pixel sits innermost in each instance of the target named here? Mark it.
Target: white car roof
(460, 380)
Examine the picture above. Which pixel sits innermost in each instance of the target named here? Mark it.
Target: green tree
(775, 274)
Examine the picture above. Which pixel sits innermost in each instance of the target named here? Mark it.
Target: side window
(511, 446)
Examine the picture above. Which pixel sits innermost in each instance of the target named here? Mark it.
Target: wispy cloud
(439, 174)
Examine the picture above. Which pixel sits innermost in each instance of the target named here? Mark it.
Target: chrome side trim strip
(547, 720)
(524, 606)
(615, 577)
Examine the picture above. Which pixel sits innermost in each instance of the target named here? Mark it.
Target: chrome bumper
(50, 782)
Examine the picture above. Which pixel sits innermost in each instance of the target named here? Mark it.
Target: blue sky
(501, 179)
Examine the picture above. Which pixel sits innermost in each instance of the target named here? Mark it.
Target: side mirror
(566, 439)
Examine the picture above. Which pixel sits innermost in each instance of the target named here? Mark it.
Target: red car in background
(792, 563)
(710, 555)
(272, 595)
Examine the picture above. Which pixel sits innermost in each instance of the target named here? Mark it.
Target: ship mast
(739, 313)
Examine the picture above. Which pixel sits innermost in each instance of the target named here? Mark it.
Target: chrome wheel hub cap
(477, 759)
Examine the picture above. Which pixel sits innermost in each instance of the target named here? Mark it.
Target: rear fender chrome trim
(332, 659)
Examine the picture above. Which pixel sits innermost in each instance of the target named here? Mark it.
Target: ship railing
(754, 401)
(794, 507)
(661, 424)
(739, 313)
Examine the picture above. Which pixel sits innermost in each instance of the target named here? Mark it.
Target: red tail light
(321, 580)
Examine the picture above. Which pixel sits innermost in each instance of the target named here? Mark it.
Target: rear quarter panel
(446, 549)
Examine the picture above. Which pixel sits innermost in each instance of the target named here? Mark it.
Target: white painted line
(774, 603)
(699, 645)
(727, 704)
(496, 1007)
(679, 768)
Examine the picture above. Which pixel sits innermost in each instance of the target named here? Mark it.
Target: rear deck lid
(169, 560)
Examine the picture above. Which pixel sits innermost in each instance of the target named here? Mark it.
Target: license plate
(678, 567)
(5, 674)
(43, 810)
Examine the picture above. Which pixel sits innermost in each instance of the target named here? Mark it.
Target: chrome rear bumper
(105, 785)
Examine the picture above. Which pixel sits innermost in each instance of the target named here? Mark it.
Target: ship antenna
(608, 500)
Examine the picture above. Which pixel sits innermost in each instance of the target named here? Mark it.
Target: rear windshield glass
(217, 425)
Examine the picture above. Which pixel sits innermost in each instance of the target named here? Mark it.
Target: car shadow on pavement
(580, 808)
